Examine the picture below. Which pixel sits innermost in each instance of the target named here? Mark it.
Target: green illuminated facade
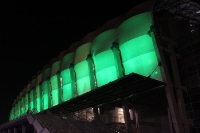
(111, 54)
(67, 77)
(137, 47)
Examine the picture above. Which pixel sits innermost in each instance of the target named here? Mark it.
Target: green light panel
(66, 84)
(12, 114)
(137, 47)
(22, 105)
(26, 102)
(38, 99)
(55, 91)
(105, 67)
(45, 87)
(138, 56)
(31, 106)
(82, 77)
(18, 109)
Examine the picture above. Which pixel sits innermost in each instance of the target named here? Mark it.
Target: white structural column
(127, 118)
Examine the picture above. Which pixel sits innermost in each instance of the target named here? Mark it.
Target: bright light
(121, 109)
(198, 11)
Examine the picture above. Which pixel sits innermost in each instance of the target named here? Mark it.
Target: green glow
(104, 41)
(55, 68)
(82, 77)
(138, 56)
(26, 103)
(31, 106)
(18, 109)
(55, 87)
(45, 87)
(66, 84)
(134, 26)
(143, 56)
(66, 60)
(11, 114)
(67, 92)
(137, 47)
(105, 67)
(22, 105)
(37, 100)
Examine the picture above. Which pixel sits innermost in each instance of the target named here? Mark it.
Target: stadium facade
(130, 75)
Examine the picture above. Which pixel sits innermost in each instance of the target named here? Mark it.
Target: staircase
(53, 123)
(42, 124)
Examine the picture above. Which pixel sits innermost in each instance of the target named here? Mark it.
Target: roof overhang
(129, 85)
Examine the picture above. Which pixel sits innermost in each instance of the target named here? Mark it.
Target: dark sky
(31, 34)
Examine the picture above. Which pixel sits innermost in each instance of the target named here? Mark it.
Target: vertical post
(173, 109)
(96, 114)
(169, 88)
(15, 129)
(127, 118)
(180, 101)
(9, 131)
(91, 71)
(23, 128)
(170, 120)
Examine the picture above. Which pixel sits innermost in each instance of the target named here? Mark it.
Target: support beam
(169, 88)
(9, 130)
(127, 118)
(180, 88)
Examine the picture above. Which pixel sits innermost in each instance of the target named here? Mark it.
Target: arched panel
(18, 107)
(67, 60)
(16, 110)
(68, 77)
(83, 70)
(38, 99)
(104, 41)
(33, 94)
(46, 97)
(12, 114)
(26, 100)
(82, 52)
(137, 47)
(106, 58)
(55, 82)
(21, 104)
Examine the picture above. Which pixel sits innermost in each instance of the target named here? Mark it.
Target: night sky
(31, 34)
